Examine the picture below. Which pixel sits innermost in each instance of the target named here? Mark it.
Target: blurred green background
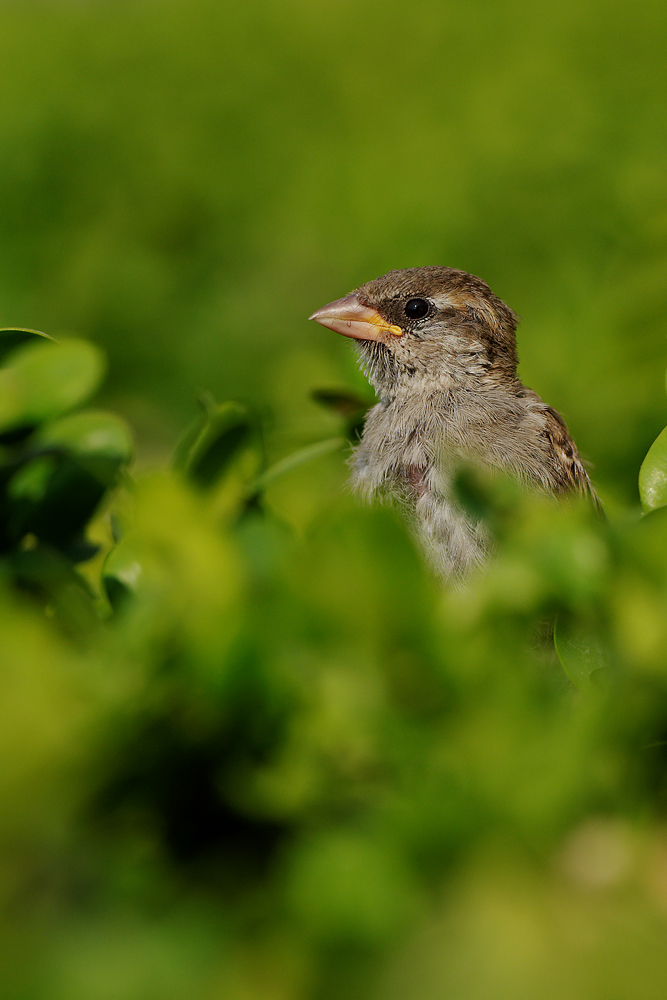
(184, 182)
(259, 753)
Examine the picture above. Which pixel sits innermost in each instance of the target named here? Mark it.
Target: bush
(243, 760)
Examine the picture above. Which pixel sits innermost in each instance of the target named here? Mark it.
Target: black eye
(416, 308)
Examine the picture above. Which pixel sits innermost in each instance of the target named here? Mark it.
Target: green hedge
(249, 757)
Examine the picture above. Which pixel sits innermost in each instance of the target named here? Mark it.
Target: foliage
(55, 466)
(270, 763)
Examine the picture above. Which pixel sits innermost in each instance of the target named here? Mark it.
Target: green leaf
(345, 402)
(206, 451)
(50, 576)
(101, 442)
(298, 458)
(55, 492)
(579, 650)
(32, 479)
(10, 339)
(653, 475)
(52, 497)
(120, 574)
(45, 380)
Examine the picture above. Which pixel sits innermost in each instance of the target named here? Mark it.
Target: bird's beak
(353, 319)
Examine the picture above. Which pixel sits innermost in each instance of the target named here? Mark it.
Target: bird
(439, 349)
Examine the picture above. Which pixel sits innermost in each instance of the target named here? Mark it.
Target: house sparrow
(439, 348)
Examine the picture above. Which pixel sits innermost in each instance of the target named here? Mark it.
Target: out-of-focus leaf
(653, 474)
(57, 489)
(343, 885)
(45, 702)
(52, 497)
(101, 442)
(49, 575)
(45, 380)
(349, 405)
(174, 557)
(298, 458)
(120, 574)
(342, 401)
(205, 452)
(80, 550)
(579, 651)
(488, 496)
(10, 339)
(32, 479)
(186, 442)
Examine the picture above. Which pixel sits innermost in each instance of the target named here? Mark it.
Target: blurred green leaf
(347, 404)
(61, 479)
(208, 448)
(120, 574)
(55, 493)
(42, 381)
(346, 887)
(49, 575)
(52, 497)
(298, 458)
(101, 442)
(653, 474)
(342, 401)
(10, 339)
(579, 650)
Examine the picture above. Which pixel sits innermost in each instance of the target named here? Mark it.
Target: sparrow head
(434, 323)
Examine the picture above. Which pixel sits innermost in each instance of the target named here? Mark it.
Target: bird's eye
(416, 308)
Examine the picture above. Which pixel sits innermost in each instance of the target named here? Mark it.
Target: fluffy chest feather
(440, 350)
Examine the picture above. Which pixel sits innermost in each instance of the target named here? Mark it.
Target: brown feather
(448, 395)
